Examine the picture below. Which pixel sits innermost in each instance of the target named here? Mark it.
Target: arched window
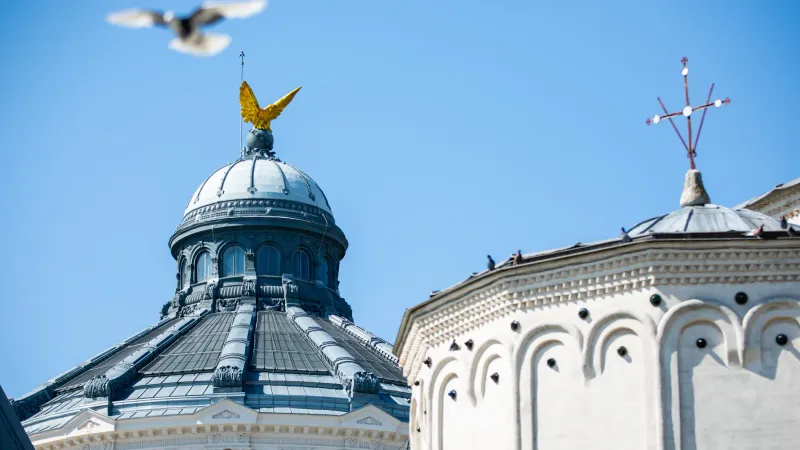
(268, 261)
(233, 261)
(323, 271)
(186, 276)
(203, 266)
(300, 265)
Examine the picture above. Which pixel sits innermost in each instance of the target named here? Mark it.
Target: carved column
(291, 292)
(249, 263)
(249, 289)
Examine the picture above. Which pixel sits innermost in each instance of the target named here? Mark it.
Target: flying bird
(261, 117)
(490, 262)
(190, 38)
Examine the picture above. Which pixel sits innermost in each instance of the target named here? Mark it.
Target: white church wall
(554, 394)
(616, 398)
(729, 394)
(490, 395)
(715, 401)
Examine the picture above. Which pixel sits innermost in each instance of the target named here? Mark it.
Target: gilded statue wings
(261, 117)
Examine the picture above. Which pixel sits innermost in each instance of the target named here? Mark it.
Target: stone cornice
(238, 213)
(260, 207)
(231, 424)
(287, 432)
(591, 275)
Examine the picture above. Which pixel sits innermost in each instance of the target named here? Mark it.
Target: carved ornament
(226, 415)
(369, 420)
(249, 287)
(363, 382)
(227, 376)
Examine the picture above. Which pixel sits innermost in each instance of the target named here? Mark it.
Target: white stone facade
(228, 425)
(630, 375)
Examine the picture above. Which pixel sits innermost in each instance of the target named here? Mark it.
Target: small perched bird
(758, 232)
(518, 257)
(190, 39)
(624, 236)
(784, 223)
(490, 262)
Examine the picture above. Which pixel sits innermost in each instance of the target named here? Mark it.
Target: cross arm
(660, 118)
(716, 103)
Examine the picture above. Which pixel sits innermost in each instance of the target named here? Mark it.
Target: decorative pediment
(226, 410)
(373, 417)
(88, 422)
(88, 426)
(369, 420)
(227, 414)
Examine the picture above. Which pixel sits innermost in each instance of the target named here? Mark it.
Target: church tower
(680, 333)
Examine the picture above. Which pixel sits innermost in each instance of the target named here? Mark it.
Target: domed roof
(258, 177)
(707, 218)
(699, 215)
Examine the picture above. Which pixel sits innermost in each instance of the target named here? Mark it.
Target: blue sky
(440, 131)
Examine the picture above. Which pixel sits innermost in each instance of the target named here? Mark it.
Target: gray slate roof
(706, 219)
(778, 187)
(287, 373)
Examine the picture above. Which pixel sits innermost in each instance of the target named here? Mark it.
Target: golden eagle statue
(261, 117)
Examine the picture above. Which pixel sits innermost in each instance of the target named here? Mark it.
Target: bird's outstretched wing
(250, 108)
(212, 12)
(136, 18)
(274, 110)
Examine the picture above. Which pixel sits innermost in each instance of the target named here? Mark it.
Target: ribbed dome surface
(257, 178)
(706, 219)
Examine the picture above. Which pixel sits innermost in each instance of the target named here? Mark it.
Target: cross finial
(241, 123)
(687, 111)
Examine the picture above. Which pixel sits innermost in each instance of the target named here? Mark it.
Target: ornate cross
(687, 112)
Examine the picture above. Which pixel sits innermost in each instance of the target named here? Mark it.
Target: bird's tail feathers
(205, 44)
